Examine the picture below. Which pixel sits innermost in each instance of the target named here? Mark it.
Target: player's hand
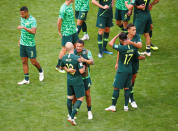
(60, 35)
(106, 7)
(116, 67)
(82, 59)
(71, 71)
(150, 7)
(20, 27)
(126, 2)
(129, 13)
(141, 57)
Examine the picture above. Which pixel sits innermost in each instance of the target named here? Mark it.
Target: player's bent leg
(88, 100)
(75, 109)
(25, 70)
(105, 41)
(61, 54)
(79, 25)
(126, 94)
(115, 96)
(119, 24)
(84, 29)
(148, 41)
(37, 65)
(100, 35)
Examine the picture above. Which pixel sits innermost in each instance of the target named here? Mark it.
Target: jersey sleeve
(90, 57)
(33, 23)
(80, 65)
(117, 47)
(132, 2)
(61, 13)
(62, 63)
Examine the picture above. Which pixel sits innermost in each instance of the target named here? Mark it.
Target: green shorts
(135, 67)
(122, 80)
(28, 51)
(103, 22)
(142, 21)
(122, 15)
(81, 15)
(71, 38)
(75, 87)
(87, 83)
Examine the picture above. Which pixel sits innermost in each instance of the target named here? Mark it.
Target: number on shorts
(127, 58)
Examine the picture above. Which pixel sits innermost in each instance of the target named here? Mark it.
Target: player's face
(23, 14)
(79, 47)
(132, 30)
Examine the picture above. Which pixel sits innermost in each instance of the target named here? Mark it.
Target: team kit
(75, 60)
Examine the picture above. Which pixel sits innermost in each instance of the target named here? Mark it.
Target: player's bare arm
(129, 6)
(111, 43)
(89, 62)
(137, 45)
(95, 2)
(59, 23)
(117, 60)
(153, 3)
(31, 31)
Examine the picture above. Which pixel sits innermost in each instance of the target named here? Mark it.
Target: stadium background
(42, 105)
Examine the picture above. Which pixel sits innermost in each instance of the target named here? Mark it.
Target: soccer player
(135, 60)
(124, 72)
(142, 19)
(81, 10)
(122, 14)
(27, 44)
(87, 59)
(66, 28)
(75, 84)
(104, 22)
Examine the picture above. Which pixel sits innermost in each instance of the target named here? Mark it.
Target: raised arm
(117, 60)
(111, 43)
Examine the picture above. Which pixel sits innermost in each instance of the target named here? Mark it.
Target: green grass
(42, 105)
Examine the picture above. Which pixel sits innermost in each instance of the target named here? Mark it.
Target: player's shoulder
(31, 18)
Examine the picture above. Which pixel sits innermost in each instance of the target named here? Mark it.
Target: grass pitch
(42, 105)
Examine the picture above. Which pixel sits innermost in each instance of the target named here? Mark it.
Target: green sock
(69, 106)
(59, 62)
(115, 97)
(26, 76)
(105, 41)
(131, 94)
(127, 94)
(76, 108)
(100, 44)
(148, 49)
(84, 27)
(79, 28)
(89, 108)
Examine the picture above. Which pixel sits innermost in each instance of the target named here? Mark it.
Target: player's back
(71, 61)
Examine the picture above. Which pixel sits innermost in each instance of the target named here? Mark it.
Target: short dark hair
(123, 36)
(130, 25)
(80, 41)
(24, 8)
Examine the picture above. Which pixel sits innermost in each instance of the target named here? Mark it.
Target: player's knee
(24, 62)
(33, 62)
(107, 29)
(101, 31)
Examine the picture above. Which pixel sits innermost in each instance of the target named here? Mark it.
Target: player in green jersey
(75, 84)
(124, 72)
(66, 28)
(104, 22)
(27, 44)
(142, 19)
(122, 14)
(87, 59)
(81, 11)
(135, 60)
